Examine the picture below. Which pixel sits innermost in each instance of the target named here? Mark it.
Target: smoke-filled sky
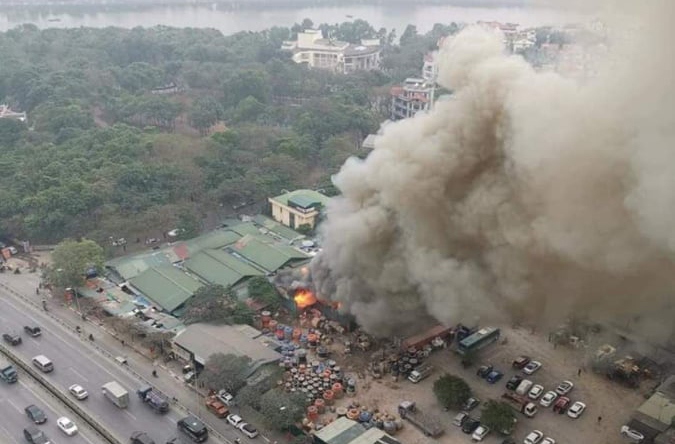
(527, 197)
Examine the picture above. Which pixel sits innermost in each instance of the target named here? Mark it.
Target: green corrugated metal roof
(166, 286)
(277, 228)
(265, 254)
(341, 431)
(245, 228)
(131, 266)
(219, 267)
(304, 196)
(214, 239)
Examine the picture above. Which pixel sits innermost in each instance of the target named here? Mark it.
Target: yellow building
(297, 208)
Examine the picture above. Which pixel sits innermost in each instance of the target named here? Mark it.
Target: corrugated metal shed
(220, 267)
(166, 286)
(265, 254)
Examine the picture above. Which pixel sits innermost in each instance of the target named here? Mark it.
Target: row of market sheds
(161, 280)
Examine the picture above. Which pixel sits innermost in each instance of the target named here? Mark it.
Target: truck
(7, 371)
(428, 425)
(520, 403)
(421, 372)
(216, 406)
(117, 394)
(421, 340)
(154, 398)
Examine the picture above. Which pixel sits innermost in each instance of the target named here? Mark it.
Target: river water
(229, 21)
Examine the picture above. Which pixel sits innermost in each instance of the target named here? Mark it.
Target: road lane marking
(8, 434)
(127, 412)
(18, 409)
(78, 374)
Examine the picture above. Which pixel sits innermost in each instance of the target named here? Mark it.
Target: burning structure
(527, 196)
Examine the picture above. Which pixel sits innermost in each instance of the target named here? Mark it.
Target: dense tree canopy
(451, 391)
(73, 260)
(217, 305)
(227, 372)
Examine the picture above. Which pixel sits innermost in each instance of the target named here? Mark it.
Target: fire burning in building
(304, 298)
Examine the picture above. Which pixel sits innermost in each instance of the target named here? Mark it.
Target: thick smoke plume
(527, 197)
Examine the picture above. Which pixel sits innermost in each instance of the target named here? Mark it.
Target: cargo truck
(420, 373)
(155, 399)
(117, 394)
(428, 425)
(7, 371)
(520, 403)
(421, 340)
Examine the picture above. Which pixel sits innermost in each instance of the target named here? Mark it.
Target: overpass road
(78, 362)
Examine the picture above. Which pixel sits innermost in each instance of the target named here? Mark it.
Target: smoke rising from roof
(526, 197)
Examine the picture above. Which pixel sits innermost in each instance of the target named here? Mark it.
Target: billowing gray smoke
(526, 197)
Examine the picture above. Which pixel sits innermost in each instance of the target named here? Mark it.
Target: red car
(561, 405)
(521, 361)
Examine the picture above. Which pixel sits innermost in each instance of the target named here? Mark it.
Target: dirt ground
(604, 398)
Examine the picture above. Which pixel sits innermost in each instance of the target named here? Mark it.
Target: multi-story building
(318, 52)
(430, 67)
(413, 96)
(297, 208)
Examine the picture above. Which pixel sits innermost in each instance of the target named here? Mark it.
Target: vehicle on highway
(470, 425)
(548, 440)
(67, 426)
(117, 394)
(35, 414)
(494, 376)
(561, 405)
(193, 428)
(632, 434)
(514, 382)
(225, 397)
(480, 433)
(534, 437)
(35, 436)
(470, 404)
(7, 371)
(460, 418)
(43, 363)
(576, 410)
(524, 387)
(234, 420)
(531, 367)
(12, 338)
(33, 331)
(141, 438)
(154, 398)
(484, 370)
(78, 391)
(248, 430)
(564, 388)
(536, 391)
(520, 362)
(548, 399)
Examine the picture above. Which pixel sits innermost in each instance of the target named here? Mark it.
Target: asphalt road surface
(77, 362)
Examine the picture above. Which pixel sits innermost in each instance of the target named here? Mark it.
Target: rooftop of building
(166, 286)
(302, 197)
(267, 255)
(667, 387)
(346, 431)
(220, 267)
(659, 408)
(361, 50)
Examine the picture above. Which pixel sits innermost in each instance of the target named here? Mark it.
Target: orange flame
(304, 298)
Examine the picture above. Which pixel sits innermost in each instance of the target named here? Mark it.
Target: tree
(227, 372)
(250, 396)
(204, 113)
(261, 290)
(73, 260)
(282, 410)
(451, 391)
(188, 224)
(218, 305)
(498, 416)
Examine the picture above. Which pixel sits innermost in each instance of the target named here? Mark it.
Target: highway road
(77, 362)
(14, 398)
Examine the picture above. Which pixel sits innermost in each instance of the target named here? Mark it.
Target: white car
(576, 410)
(531, 367)
(632, 434)
(548, 399)
(480, 433)
(548, 440)
(67, 426)
(564, 388)
(78, 391)
(536, 391)
(225, 398)
(534, 437)
(235, 420)
(248, 430)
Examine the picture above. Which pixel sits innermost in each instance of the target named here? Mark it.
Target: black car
(12, 338)
(141, 438)
(32, 330)
(470, 404)
(514, 382)
(484, 370)
(470, 425)
(36, 414)
(35, 436)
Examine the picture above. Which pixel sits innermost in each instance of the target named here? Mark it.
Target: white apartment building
(413, 96)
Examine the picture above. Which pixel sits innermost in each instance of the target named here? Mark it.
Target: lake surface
(229, 21)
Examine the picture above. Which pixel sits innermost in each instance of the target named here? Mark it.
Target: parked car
(11, 338)
(494, 376)
(564, 388)
(235, 420)
(36, 414)
(576, 410)
(225, 398)
(548, 399)
(470, 404)
(460, 418)
(521, 361)
(470, 425)
(561, 405)
(67, 426)
(536, 391)
(534, 437)
(548, 440)
(33, 331)
(514, 382)
(531, 367)
(78, 391)
(484, 370)
(248, 430)
(480, 433)
(632, 434)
